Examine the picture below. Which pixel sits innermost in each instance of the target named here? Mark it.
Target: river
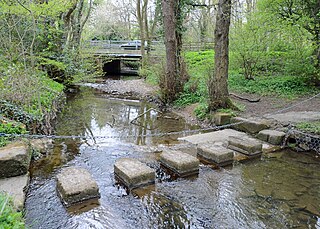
(280, 190)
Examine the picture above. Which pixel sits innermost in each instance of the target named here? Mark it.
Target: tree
(218, 83)
(304, 13)
(171, 84)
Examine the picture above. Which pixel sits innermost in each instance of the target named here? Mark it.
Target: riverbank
(267, 105)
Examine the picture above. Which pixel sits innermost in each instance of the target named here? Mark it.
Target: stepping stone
(248, 146)
(180, 163)
(14, 160)
(249, 126)
(272, 136)
(212, 137)
(16, 187)
(132, 173)
(222, 118)
(75, 185)
(216, 154)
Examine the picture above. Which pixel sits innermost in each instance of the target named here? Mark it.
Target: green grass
(9, 218)
(282, 86)
(313, 127)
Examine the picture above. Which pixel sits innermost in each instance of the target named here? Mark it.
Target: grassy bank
(273, 76)
(9, 218)
(27, 96)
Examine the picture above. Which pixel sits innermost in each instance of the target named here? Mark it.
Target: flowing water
(280, 190)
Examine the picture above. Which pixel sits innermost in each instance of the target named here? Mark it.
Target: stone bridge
(111, 54)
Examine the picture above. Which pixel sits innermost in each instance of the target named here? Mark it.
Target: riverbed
(280, 190)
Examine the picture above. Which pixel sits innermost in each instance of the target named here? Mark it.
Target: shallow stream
(280, 190)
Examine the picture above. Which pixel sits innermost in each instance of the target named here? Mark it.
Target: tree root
(242, 98)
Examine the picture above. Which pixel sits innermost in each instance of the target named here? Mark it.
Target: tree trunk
(218, 84)
(140, 17)
(168, 82)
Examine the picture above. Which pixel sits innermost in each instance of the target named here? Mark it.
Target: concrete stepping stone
(272, 136)
(16, 187)
(216, 154)
(133, 174)
(221, 118)
(249, 126)
(248, 146)
(75, 185)
(14, 160)
(180, 163)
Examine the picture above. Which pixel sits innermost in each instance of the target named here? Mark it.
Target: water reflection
(279, 191)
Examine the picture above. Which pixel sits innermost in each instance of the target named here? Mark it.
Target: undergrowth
(313, 127)
(10, 127)
(9, 218)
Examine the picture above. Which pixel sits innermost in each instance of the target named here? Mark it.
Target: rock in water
(75, 185)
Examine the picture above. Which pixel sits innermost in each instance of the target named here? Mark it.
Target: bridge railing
(157, 47)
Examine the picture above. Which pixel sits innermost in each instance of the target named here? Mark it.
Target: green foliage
(201, 111)
(313, 127)
(152, 72)
(10, 128)
(32, 90)
(9, 218)
(286, 86)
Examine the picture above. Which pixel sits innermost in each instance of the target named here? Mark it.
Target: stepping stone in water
(216, 154)
(249, 126)
(133, 174)
(221, 118)
(272, 136)
(75, 185)
(248, 146)
(180, 163)
(14, 160)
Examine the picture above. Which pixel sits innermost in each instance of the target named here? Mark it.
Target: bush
(9, 218)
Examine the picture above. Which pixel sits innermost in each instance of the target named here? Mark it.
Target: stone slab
(248, 146)
(216, 153)
(221, 118)
(180, 163)
(14, 160)
(272, 136)
(16, 187)
(249, 126)
(133, 173)
(296, 117)
(212, 137)
(75, 185)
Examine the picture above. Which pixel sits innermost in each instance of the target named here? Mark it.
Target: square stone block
(75, 185)
(16, 187)
(221, 118)
(132, 173)
(216, 154)
(249, 126)
(272, 136)
(14, 160)
(180, 163)
(248, 146)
